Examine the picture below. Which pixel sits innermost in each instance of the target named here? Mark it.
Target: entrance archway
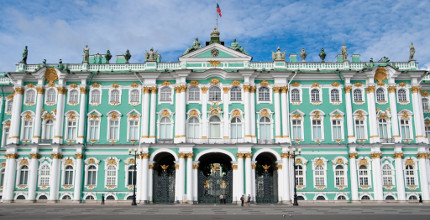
(266, 178)
(164, 178)
(215, 178)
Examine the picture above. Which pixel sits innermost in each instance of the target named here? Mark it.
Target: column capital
(144, 155)
(246, 88)
(181, 155)
(392, 89)
(146, 89)
(240, 155)
(285, 155)
(79, 156)
(375, 155)
(348, 89)
(11, 156)
(61, 90)
(204, 90)
(284, 89)
(195, 166)
(370, 89)
(189, 155)
(56, 156)
(177, 166)
(415, 89)
(19, 90)
(40, 90)
(276, 89)
(253, 166)
(234, 166)
(252, 89)
(35, 156)
(398, 155)
(422, 155)
(83, 90)
(248, 155)
(353, 155)
(226, 89)
(153, 90)
(279, 166)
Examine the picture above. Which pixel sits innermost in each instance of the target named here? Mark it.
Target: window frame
(268, 95)
(44, 177)
(236, 94)
(92, 96)
(196, 127)
(113, 100)
(168, 128)
(238, 125)
(270, 124)
(131, 96)
(219, 123)
(292, 96)
(71, 177)
(406, 101)
(113, 116)
(318, 93)
(21, 172)
(364, 177)
(211, 92)
(384, 94)
(48, 101)
(69, 96)
(196, 91)
(162, 92)
(386, 176)
(26, 97)
(339, 94)
(109, 178)
(355, 97)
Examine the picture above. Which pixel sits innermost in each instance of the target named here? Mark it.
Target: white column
(145, 114)
(400, 180)
(247, 107)
(280, 181)
(54, 180)
(284, 106)
(248, 174)
(32, 179)
(353, 173)
(377, 175)
(421, 114)
(204, 122)
(150, 178)
(180, 178)
(180, 114)
(394, 119)
(349, 121)
(418, 116)
(195, 181)
(252, 100)
(78, 178)
(286, 180)
(278, 122)
(139, 178)
(190, 180)
(152, 123)
(236, 181)
(38, 118)
(373, 130)
(82, 112)
(59, 118)
(422, 157)
(16, 116)
(226, 100)
(9, 183)
(239, 183)
(292, 179)
(144, 177)
(253, 194)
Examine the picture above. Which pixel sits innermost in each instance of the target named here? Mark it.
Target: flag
(218, 9)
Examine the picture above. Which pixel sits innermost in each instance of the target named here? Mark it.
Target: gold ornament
(134, 85)
(380, 74)
(214, 81)
(214, 63)
(335, 84)
(51, 75)
(264, 83)
(235, 83)
(194, 83)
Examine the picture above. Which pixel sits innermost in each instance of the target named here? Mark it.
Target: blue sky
(60, 29)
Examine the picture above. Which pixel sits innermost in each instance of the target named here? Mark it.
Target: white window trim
(109, 118)
(200, 94)
(355, 116)
(187, 125)
(127, 165)
(369, 172)
(172, 94)
(324, 165)
(242, 93)
(6, 104)
(300, 95)
(342, 122)
(129, 96)
(271, 123)
(304, 166)
(362, 96)
(340, 95)
(3, 135)
(91, 94)
(68, 96)
(110, 96)
(345, 171)
(320, 95)
(129, 118)
(25, 97)
(258, 86)
(66, 120)
(302, 135)
(221, 90)
(422, 105)
(366, 194)
(87, 165)
(39, 171)
(393, 170)
(242, 123)
(221, 127)
(407, 95)
(416, 180)
(106, 170)
(385, 101)
(18, 173)
(388, 122)
(411, 132)
(63, 171)
(22, 125)
(172, 123)
(99, 115)
(46, 95)
(321, 118)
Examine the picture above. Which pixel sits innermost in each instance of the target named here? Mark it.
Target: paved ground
(209, 212)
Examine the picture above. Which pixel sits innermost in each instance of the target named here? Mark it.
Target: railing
(265, 141)
(387, 140)
(164, 141)
(4, 80)
(45, 141)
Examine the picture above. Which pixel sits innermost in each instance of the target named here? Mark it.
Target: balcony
(45, 141)
(265, 141)
(164, 141)
(387, 140)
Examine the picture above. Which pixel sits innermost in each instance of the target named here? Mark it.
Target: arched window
(49, 129)
(193, 128)
(215, 127)
(131, 175)
(405, 128)
(358, 97)
(236, 128)
(66, 197)
(23, 176)
(68, 175)
(20, 197)
(335, 95)
(380, 95)
(73, 96)
(30, 96)
(165, 94)
(410, 175)
(295, 95)
(27, 129)
(235, 94)
(214, 93)
(92, 175)
(165, 128)
(111, 175)
(265, 128)
(425, 104)
(401, 94)
(44, 175)
(363, 175)
(341, 197)
(389, 198)
(134, 96)
(319, 176)
(133, 129)
(315, 95)
(43, 197)
(51, 95)
(300, 198)
(387, 175)
(110, 197)
(114, 96)
(316, 129)
(9, 105)
(89, 198)
(113, 129)
(383, 133)
(95, 96)
(299, 175)
(194, 93)
(365, 197)
(264, 94)
(340, 175)
(320, 198)
(413, 197)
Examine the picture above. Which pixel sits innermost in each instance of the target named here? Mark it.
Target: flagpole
(216, 14)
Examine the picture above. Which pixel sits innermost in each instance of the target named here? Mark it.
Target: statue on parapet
(151, 56)
(108, 56)
(278, 56)
(411, 52)
(60, 65)
(127, 56)
(303, 55)
(344, 51)
(44, 62)
(24, 55)
(322, 55)
(86, 54)
(236, 46)
(195, 46)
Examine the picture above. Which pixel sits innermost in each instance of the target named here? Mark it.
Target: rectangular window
(133, 130)
(113, 129)
(94, 130)
(68, 177)
(9, 105)
(340, 179)
(92, 176)
(71, 130)
(316, 129)
(364, 179)
(28, 130)
(359, 129)
(428, 132)
(405, 129)
(337, 129)
(297, 129)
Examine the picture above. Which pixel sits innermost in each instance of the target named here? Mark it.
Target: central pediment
(215, 51)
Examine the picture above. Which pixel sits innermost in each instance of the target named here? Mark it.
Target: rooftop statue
(303, 54)
(24, 55)
(108, 56)
(151, 56)
(322, 55)
(44, 62)
(411, 52)
(236, 46)
(127, 56)
(278, 56)
(384, 60)
(60, 64)
(344, 51)
(196, 45)
(86, 54)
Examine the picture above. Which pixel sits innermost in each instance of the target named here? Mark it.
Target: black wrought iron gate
(265, 188)
(164, 187)
(212, 186)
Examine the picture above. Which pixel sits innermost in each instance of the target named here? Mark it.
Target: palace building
(215, 123)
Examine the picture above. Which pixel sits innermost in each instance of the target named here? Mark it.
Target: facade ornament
(166, 83)
(204, 90)
(194, 83)
(235, 83)
(240, 155)
(415, 89)
(375, 155)
(276, 89)
(95, 85)
(23, 162)
(214, 63)
(40, 90)
(424, 93)
(303, 55)
(335, 84)
(402, 84)
(411, 52)
(353, 155)
(134, 85)
(319, 162)
(195, 46)
(298, 160)
(165, 114)
(51, 75)
(115, 86)
(79, 156)
(315, 84)
(384, 60)
(285, 155)
(322, 55)
(226, 89)
(86, 54)
(236, 113)
(181, 155)
(264, 83)
(422, 155)
(152, 56)
(284, 89)
(127, 56)
(398, 155)
(73, 85)
(357, 84)
(278, 55)
(380, 74)
(264, 113)
(392, 89)
(410, 162)
(296, 84)
(56, 156)
(19, 90)
(108, 56)
(363, 162)
(370, 89)
(344, 51)
(24, 55)
(236, 46)
(214, 81)
(339, 161)
(194, 113)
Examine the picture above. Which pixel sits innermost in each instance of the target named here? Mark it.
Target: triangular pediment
(215, 51)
